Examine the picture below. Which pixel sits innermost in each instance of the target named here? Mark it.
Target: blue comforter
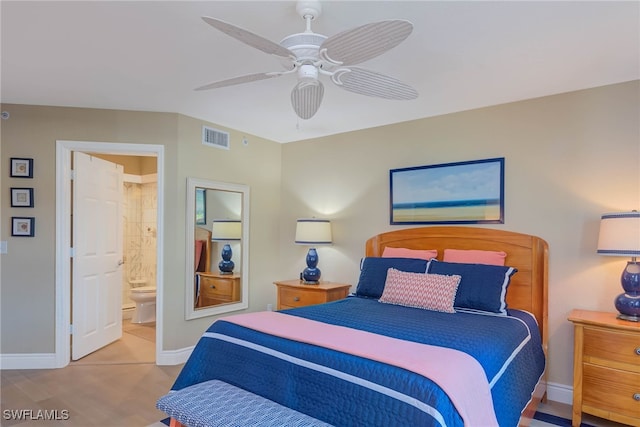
(346, 390)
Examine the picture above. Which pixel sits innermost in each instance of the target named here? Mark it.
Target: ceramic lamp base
(628, 303)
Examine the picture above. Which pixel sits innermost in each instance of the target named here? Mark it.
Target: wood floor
(116, 386)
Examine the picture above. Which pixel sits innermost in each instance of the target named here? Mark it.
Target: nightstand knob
(296, 299)
(638, 351)
(212, 286)
(636, 397)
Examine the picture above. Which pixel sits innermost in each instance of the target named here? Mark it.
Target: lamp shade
(620, 234)
(226, 229)
(313, 231)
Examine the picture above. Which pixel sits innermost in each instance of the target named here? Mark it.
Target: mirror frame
(191, 312)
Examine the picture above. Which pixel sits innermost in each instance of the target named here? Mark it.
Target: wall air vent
(215, 138)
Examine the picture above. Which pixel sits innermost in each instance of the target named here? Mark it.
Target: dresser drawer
(291, 297)
(604, 346)
(213, 287)
(611, 390)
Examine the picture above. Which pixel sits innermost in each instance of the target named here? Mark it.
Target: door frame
(63, 235)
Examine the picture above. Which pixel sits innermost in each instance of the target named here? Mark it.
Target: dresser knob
(636, 397)
(212, 286)
(296, 299)
(638, 351)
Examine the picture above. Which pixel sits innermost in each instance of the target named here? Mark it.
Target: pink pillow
(474, 256)
(427, 254)
(429, 291)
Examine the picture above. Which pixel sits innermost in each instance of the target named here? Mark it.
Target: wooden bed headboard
(529, 254)
(205, 258)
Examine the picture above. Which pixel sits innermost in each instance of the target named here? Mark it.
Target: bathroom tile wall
(139, 240)
(149, 231)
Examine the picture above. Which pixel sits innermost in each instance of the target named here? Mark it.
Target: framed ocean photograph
(470, 192)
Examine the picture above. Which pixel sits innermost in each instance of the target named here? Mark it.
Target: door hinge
(72, 252)
(70, 329)
(72, 175)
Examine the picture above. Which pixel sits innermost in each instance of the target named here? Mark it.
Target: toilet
(145, 299)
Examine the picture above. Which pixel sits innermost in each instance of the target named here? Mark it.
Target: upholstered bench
(216, 404)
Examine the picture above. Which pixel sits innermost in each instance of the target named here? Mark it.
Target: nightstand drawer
(603, 346)
(611, 390)
(291, 297)
(216, 287)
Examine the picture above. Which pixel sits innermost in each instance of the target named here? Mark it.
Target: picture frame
(21, 197)
(21, 167)
(469, 192)
(23, 226)
(201, 206)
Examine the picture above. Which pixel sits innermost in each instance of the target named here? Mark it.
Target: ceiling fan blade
(249, 38)
(370, 83)
(365, 42)
(239, 80)
(306, 98)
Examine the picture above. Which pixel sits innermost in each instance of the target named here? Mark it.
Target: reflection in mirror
(217, 247)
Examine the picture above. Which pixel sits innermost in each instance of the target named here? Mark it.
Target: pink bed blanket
(456, 372)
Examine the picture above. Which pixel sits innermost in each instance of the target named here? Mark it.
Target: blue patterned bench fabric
(215, 404)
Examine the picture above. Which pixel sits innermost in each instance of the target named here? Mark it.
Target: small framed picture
(21, 168)
(23, 226)
(21, 197)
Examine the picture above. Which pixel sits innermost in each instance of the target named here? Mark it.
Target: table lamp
(225, 230)
(620, 236)
(312, 232)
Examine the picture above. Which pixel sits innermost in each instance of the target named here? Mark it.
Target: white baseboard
(173, 357)
(29, 361)
(560, 393)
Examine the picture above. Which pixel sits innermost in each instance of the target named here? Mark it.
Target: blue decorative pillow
(482, 287)
(373, 273)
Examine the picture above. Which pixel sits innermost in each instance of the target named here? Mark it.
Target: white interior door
(97, 242)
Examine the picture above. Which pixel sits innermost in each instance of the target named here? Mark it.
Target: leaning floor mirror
(217, 248)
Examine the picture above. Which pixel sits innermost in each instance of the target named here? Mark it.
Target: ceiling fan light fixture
(307, 72)
(309, 54)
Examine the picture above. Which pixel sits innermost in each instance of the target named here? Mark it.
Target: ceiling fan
(310, 55)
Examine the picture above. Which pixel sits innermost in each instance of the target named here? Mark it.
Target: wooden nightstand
(606, 367)
(218, 288)
(293, 293)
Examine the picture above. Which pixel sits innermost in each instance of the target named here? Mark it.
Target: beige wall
(28, 269)
(568, 159)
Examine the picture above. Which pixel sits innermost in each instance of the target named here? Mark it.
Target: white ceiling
(150, 55)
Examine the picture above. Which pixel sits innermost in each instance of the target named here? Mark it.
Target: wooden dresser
(293, 293)
(216, 288)
(606, 367)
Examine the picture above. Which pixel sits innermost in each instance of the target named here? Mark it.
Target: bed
(359, 361)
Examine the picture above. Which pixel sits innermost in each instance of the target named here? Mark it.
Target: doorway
(64, 150)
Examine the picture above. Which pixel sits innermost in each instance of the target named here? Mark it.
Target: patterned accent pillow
(435, 292)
